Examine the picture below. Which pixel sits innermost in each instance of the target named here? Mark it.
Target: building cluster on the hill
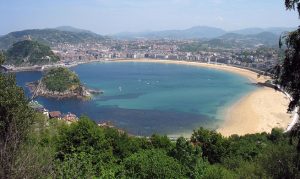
(68, 118)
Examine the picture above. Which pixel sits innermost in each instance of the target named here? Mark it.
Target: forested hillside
(49, 37)
(29, 53)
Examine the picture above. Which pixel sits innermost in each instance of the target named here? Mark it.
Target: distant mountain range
(191, 33)
(248, 40)
(50, 37)
(73, 29)
(274, 30)
(199, 32)
(68, 34)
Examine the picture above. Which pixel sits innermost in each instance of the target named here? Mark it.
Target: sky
(113, 16)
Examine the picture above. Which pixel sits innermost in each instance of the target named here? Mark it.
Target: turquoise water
(147, 98)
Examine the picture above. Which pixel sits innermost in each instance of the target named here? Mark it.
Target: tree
(190, 157)
(162, 142)
(287, 73)
(276, 135)
(152, 164)
(213, 144)
(84, 139)
(184, 152)
(246, 147)
(123, 145)
(83, 136)
(82, 165)
(217, 172)
(292, 4)
(2, 58)
(280, 161)
(16, 119)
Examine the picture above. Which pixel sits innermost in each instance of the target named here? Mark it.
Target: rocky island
(61, 83)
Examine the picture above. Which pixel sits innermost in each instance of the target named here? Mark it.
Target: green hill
(28, 53)
(60, 80)
(60, 83)
(49, 37)
(73, 29)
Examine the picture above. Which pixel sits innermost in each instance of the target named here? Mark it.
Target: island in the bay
(61, 83)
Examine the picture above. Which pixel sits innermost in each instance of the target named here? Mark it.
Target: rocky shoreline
(39, 89)
(11, 68)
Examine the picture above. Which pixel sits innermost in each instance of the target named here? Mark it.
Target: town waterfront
(147, 98)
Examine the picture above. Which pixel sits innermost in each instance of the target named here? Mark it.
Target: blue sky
(112, 16)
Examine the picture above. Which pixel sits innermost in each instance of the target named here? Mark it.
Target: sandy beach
(259, 111)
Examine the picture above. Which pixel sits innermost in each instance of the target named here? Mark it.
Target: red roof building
(55, 114)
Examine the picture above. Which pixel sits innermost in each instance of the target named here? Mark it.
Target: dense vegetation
(61, 79)
(29, 53)
(20, 156)
(84, 150)
(287, 72)
(49, 37)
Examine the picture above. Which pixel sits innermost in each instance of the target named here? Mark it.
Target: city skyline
(114, 16)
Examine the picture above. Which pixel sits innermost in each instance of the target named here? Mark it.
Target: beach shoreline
(251, 75)
(259, 111)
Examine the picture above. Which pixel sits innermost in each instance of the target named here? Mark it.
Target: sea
(146, 98)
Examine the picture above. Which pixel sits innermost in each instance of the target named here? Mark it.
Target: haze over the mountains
(114, 16)
(199, 32)
(72, 35)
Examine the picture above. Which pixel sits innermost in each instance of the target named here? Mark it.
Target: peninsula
(60, 83)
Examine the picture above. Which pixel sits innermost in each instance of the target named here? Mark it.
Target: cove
(145, 98)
